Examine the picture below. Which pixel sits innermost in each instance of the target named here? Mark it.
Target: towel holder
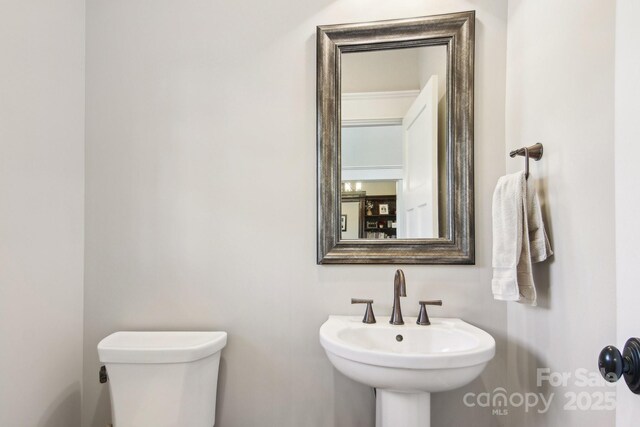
(533, 152)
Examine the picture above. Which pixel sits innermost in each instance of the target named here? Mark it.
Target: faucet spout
(399, 290)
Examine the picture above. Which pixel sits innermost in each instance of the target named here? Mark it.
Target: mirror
(395, 141)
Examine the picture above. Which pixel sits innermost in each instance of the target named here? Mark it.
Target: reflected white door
(627, 151)
(420, 163)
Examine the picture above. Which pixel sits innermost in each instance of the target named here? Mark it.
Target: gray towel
(519, 238)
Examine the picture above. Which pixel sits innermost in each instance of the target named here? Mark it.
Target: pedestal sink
(406, 363)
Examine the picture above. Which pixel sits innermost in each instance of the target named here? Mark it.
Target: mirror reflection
(393, 144)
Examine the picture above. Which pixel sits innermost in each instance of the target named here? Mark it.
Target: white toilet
(163, 379)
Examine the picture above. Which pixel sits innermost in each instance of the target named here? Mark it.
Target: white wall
(560, 91)
(627, 195)
(379, 188)
(433, 61)
(371, 147)
(41, 212)
(380, 71)
(196, 111)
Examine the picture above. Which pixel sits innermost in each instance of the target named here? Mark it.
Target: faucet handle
(423, 317)
(368, 314)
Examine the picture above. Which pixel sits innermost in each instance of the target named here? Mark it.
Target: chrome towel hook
(533, 152)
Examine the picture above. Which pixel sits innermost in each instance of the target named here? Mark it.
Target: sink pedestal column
(395, 409)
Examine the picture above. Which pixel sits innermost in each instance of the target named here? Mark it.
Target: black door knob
(614, 365)
(611, 364)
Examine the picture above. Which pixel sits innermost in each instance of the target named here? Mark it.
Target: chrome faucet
(399, 290)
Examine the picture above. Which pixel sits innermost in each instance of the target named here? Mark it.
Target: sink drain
(399, 338)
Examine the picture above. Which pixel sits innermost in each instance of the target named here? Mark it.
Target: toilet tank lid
(160, 346)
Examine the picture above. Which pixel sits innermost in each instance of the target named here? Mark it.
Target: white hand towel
(519, 238)
(538, 240)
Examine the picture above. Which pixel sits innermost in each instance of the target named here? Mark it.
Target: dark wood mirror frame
(456, 32)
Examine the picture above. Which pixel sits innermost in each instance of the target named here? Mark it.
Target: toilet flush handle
(103, 375)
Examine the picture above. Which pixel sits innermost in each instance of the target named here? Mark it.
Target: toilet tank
(163, 379)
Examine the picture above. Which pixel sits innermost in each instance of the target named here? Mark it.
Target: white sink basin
(405, 363)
